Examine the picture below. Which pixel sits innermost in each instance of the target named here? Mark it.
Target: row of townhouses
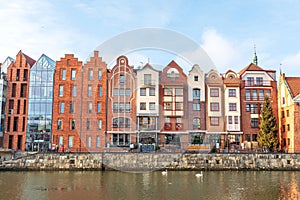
(88, 107)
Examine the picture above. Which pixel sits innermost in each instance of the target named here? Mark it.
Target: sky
(226, 30)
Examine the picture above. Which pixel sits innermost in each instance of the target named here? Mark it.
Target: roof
(29, 60)
(294, 85)
(250, 67)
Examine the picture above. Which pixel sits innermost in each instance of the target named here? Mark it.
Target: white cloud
(290, 64)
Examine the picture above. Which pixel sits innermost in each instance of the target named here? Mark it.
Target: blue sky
(226, 30)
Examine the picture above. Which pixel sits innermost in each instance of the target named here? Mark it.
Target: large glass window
(89, 90)
(98, 141)
(147, 79)
(232, 106)
(250, 81)
(71, 107)
(214, 106)
(99, 75)
(168, 105)
(232, 92)
(90, 74)
(62, 107)
(61, 90)
(167, 91)
(254, 95)
(152, 106)
(100, 91)
(151, 91)
(254, 122)
(90, 107)
(128, 92)
(122, 79)
(98, 107)
(121, 122)
(214, 121)
(179, 106)
(248, 97)
(70, 142)
(142, 91)
(63, 74)
(99, 124)
(259, 81)
(73, 124)
(261, 95)
(74, 91)
(196, 106)
(196, 123)
(89, 142)
(179, 91)
(59, 124)
(116, 92)
(142, 106)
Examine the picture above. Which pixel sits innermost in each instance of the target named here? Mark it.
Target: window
(283, 100)
(127, 107)
(167, 91)
(61, 90)
(90, 74)
(214, 106)
(98, 107)
(250, 81)
(70, 142)
(89, 90)
(147, 79)
(89, 142)
(128, 92)
(282, 114)
(261, 95)
(232, 106)
(122, 92)
(60, 141)
(254, 122)
(97, 141)
(121, 107)
(283, 128)
(62, 107)
(100, 89)
(59, 124)
(121, 122)
(248, 107)
(288, 127)
(99, 124)
(142, 106)
(196, 123)
(236, 119)
(152, 106)
(122, 79)
(168, 106)
(287, 113)
(90, 107)
(254, 95)
(196, 106)
(73, 74)
(229, 119)
(88, 124)
(167, 120)
(73, 124)
(179, 91)
(121, 139)
(196, 78)
(178, 120)
(254, 109)
(99, 75)
(232, 92)
(74, 91)
(71, 107)
(248, 97)
(178, 105)
(115, 107)
(268, 93)
(151, 91)
(254, 137)
(259, 81)
(142, 91)
(196, 94)
(214, 121)
(214, 92)
(63, 74)
(116, 92)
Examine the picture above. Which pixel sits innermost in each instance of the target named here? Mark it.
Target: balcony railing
(257, 83)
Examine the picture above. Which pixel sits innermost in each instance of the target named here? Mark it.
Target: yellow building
(288, 113)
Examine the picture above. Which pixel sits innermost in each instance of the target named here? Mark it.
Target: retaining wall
(153, 161)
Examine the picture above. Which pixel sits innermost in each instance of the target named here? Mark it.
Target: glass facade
(40, 100)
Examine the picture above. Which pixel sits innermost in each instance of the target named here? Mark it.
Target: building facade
(40, 101)
(147, 103)
(256, 84)
(289, 113)
(174, 106)
(215, 122)
(67, 107)
(18, 73)
(121, 105)
(196, 107)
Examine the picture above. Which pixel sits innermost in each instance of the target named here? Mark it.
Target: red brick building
(121, 107)
(66, 127)
(174, 106)
(256, 84)
(17, 100)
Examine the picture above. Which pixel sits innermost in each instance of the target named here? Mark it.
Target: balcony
(257, 83)
(149, 83)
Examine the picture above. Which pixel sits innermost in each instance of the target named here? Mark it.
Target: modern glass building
(40, 100)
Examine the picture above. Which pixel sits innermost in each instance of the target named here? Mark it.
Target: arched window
(196, 123)
(121, 122)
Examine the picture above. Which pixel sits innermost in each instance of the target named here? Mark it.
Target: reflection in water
(151, 185)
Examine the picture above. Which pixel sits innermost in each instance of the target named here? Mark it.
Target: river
(86, 185)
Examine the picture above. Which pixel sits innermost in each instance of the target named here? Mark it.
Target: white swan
(199, 174)
(164, 172)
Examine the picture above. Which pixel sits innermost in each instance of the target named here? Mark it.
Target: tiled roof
(294, 85)
(29, 60)
(250, 67)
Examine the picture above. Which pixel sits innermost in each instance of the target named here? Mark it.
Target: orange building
(17, 101)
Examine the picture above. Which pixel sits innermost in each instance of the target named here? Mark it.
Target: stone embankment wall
(153, 161)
